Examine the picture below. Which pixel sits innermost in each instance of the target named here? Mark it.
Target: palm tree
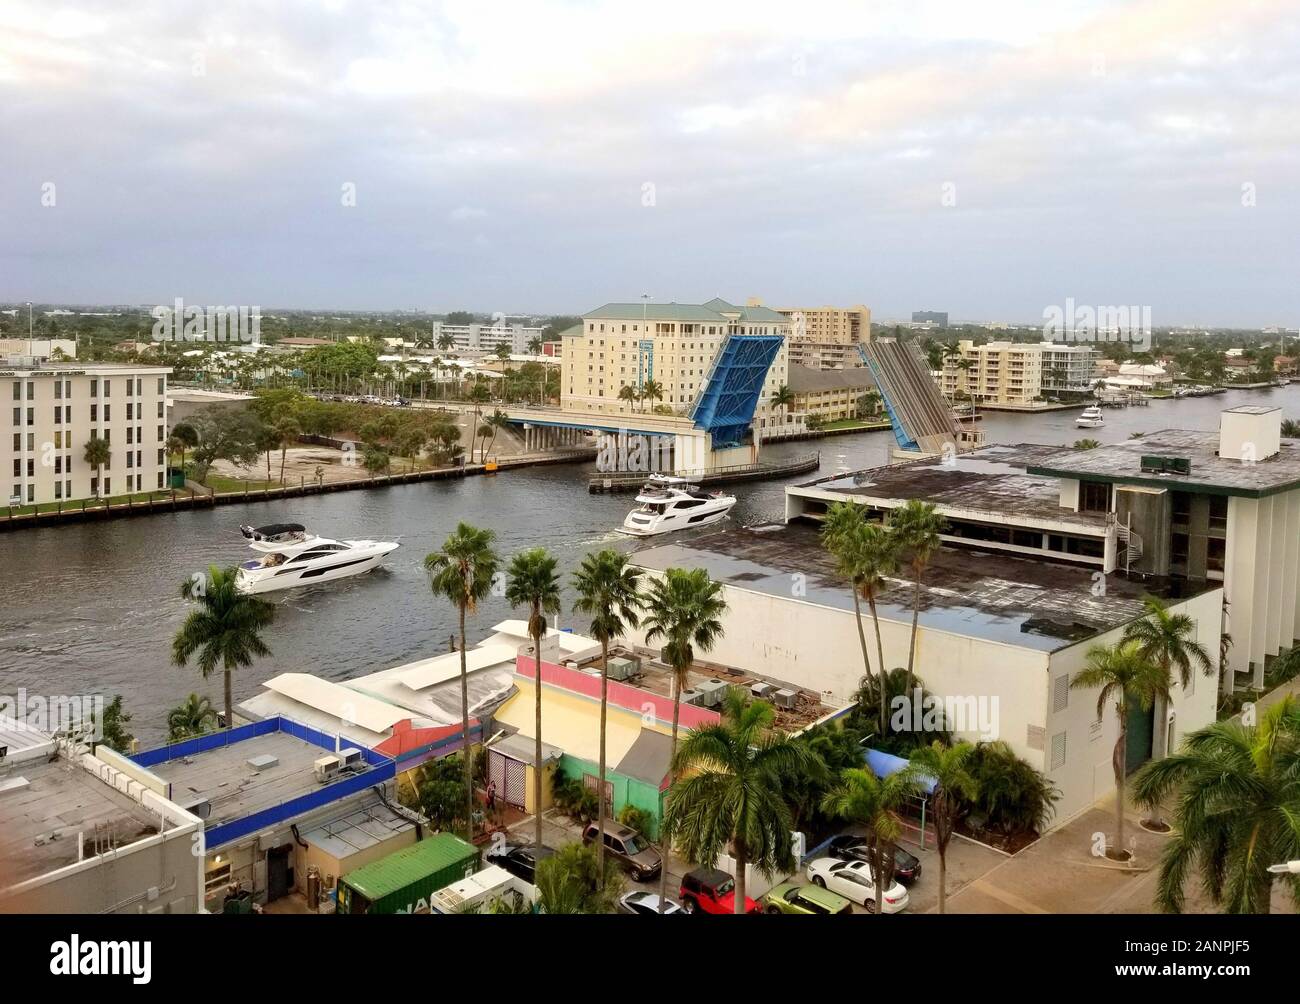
(1124, 674)
(462, 573)
(532, 582)
(535, 346)
(484, 430)
(783, 398)
(916, 527)
(946, 766)
(864, 554)
(498, 420)
(652, 390)
(97, 454)
(287, 430)
(1238, 799)
(873, 802)
(732, 796)
(193, 717)
(607, 588)
(1168, 640)
(1086, 444)
(684, 610)
(446, 342)
(187, 435)
(627, 393)
(225, 630)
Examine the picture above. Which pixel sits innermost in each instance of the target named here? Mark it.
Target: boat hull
(288, 577)
(664, 525)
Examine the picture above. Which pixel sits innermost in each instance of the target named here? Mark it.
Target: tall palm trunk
(862, 639)
(943, 879)
(283, 451)
(664, 836)
(600, 786)
(741, 853)
(1159, 738)
(916, 612)
(880, 653)
(537, 741)
(230, 700)
(1120, 761)
(464, 720)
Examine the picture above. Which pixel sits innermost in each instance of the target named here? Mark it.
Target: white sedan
(852, 880)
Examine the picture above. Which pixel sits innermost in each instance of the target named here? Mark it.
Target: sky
(990, 160)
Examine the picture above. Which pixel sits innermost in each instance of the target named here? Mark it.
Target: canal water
(91, 607)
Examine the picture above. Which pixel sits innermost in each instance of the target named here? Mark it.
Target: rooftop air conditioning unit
(761, 690)
(785, 698)
(326, 768)
(350, 757)
(621, 669)
(714, 691)
(693, 696)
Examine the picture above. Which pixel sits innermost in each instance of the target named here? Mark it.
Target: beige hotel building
(674, 344)
(827, 338)
(56, 407)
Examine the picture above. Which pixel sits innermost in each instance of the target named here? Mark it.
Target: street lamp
(1286, 868)
(29, 320)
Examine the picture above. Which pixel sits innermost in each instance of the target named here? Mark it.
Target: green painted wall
(627, 790)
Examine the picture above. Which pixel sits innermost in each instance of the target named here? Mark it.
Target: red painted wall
(621, 695)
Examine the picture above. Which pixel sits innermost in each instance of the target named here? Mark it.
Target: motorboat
(289, 555)
(1090, 418)
(669, 503)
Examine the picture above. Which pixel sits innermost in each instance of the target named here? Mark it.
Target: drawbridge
(921, 417)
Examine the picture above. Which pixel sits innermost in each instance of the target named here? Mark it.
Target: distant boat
(290, 556)
(1090, 418)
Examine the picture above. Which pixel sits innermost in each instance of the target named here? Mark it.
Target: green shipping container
(404, 881)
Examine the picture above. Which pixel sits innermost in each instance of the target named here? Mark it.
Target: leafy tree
(1290, 428)
(730, 796)
(462, 573)
(112, 726)
(225, 435)
(1237, 791)
(459, 317)
(194, 716)
(608, 591)
(1011, 794)
(783, 399)
(440, 793)
(532, 582)
(376, 460)
(895, 738)
(224, 630)
(1122, 673)
(186, 437)
(570, 882)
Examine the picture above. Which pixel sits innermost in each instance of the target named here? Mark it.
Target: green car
(791, 898)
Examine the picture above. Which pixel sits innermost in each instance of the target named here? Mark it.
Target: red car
(709, 890)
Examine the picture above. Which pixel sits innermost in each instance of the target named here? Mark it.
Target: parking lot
(967, 863)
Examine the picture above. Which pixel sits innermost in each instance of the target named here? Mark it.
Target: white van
(481, 891)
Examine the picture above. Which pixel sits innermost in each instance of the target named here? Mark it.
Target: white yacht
(291, 556)
(669, 503)
(1090, 418)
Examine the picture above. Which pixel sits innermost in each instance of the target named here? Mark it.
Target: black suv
(521, 861)
(846, 847)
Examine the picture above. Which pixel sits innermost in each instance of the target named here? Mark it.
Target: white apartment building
(486, 337)
(1017, 373)
(56, 407)
(673, 344)
(844, 325)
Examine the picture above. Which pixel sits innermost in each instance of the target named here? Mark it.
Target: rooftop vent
(1166, 465)
(1250, 433)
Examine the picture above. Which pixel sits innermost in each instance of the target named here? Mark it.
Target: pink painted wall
(621, 695)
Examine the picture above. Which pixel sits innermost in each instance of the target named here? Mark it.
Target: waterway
(91, 607)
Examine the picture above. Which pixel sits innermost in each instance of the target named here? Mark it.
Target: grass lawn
(135, 499)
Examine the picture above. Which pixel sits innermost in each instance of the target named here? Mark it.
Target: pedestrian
(492, 798)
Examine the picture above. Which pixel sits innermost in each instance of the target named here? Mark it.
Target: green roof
(709, 313)
(401, 868)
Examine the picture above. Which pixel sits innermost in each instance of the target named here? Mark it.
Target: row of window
(63, 388)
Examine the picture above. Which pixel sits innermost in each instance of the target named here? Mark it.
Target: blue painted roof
(883, 764)
(726, 405)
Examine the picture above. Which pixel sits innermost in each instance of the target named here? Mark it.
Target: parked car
(645, 903)
(907, 867)
(521, 860)
(852, 879)
(711, 890)
(791, 898)
(628, 848)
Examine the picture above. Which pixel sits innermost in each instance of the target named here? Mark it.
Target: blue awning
(883, 764)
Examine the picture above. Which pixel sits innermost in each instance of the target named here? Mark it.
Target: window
(128, 388)
(130, 436)
(58, 489)
(18, 390)
(160, 477)
(160, 460)
(94, 413)
(139, 385)
(58, 414)
(130, 411)
(31, 468)
(107, 416)
(108, 386)
(130, 459)
(160, 409)
(161, 436)
(58, 439)
(162, 384)
(108, 485)
(31, 416)
(31, 391)
(94, 387)
(58, 390)
(1094, 496)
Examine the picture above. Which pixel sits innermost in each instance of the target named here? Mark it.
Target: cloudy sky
(987, 159)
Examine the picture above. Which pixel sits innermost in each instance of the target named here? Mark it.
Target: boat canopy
(271, 531)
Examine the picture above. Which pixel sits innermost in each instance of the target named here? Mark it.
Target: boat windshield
(652, 507)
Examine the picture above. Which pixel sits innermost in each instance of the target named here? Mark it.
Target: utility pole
(29, 320)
